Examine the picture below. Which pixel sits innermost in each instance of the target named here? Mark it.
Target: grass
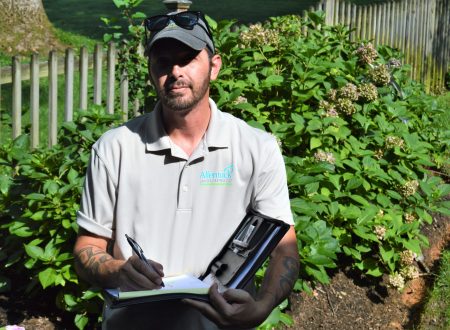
(436, 315)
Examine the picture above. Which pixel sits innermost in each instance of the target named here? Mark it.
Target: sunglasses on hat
(185, 19)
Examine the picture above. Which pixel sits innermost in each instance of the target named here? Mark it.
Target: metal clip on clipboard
(242, 240)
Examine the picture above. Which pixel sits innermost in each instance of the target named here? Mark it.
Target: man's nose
(176, 70)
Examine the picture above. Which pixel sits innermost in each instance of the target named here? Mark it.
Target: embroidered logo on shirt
(219, 178)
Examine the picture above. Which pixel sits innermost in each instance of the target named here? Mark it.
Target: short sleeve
(96, 213)
(272, 194)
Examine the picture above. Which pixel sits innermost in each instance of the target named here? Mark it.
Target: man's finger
(218, 301)
(204, 308)
(236, 296)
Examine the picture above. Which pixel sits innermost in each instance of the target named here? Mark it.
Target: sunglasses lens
(157, 23)
(186, 20)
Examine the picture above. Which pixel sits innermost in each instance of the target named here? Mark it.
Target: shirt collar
(158, 140)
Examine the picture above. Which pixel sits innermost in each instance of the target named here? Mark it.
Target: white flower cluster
(409, 217)
(380, 231)
(240, 99)
(322, 156)
(407, 257)
(396, 281)
(410, 188)
(329, 108)
(410, 272)
(367, 92)
(380, 75)
(366, 54)
(258, 35)
(394, 141)
(349, 91)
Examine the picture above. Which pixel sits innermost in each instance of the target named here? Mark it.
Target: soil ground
(351, 301)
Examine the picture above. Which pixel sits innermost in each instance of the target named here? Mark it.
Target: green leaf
(39, 215)
(413, 245)
(315, 143)
(33, 251)
(81, 321)
(47, 277)
(70, 300)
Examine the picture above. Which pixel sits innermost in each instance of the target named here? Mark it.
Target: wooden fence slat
(34, 100)
(84, 64)
(52, 98)
(124, 95)
(98, 54)
(111, 68)
(16, 97)
(68, 100)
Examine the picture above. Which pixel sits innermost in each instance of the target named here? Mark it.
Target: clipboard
(234, 266)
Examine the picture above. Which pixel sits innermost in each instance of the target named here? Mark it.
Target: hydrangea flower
(380, 231)
(410, 188)
(257, 34)
(367, 92)
(410, 272)
(380, 75)
(366, 54)
(409, 217)
(394, 141)
(345, 106)
(396, 281)
(322, 156)
(407, 257)
(240, 99)
(349, 91)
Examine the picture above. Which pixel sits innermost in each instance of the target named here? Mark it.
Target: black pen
(140, 253)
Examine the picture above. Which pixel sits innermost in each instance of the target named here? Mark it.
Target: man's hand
(232, 309)
(94, 264)
(136, 275)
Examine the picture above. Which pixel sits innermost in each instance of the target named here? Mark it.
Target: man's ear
(216, 64)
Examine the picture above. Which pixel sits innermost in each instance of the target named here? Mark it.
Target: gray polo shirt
(181, 209)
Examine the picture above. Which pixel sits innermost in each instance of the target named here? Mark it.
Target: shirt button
(185, 188)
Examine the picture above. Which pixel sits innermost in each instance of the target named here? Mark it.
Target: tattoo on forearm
(91, 260)
(288, 279)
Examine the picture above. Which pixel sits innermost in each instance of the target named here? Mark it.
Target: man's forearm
(96, 266)
(282, 272)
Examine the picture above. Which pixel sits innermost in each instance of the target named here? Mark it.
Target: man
(180, 180)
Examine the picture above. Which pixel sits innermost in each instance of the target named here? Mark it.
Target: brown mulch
(350, 301)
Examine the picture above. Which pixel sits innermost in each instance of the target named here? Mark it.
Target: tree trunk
(25, 28)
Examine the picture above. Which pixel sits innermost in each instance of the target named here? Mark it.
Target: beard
(177, 101)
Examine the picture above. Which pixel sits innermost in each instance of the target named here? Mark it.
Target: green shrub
(40, 192)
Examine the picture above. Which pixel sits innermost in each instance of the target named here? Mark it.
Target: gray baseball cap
(198, 38)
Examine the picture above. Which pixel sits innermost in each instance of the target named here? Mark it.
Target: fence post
(83, 78)
(111, 60)
(98, 54)
(68, 70)
(34, 100)
(16, 97)
(52, 98)
(328, 12)
(124, 95)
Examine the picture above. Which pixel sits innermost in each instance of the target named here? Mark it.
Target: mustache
(177, 84)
